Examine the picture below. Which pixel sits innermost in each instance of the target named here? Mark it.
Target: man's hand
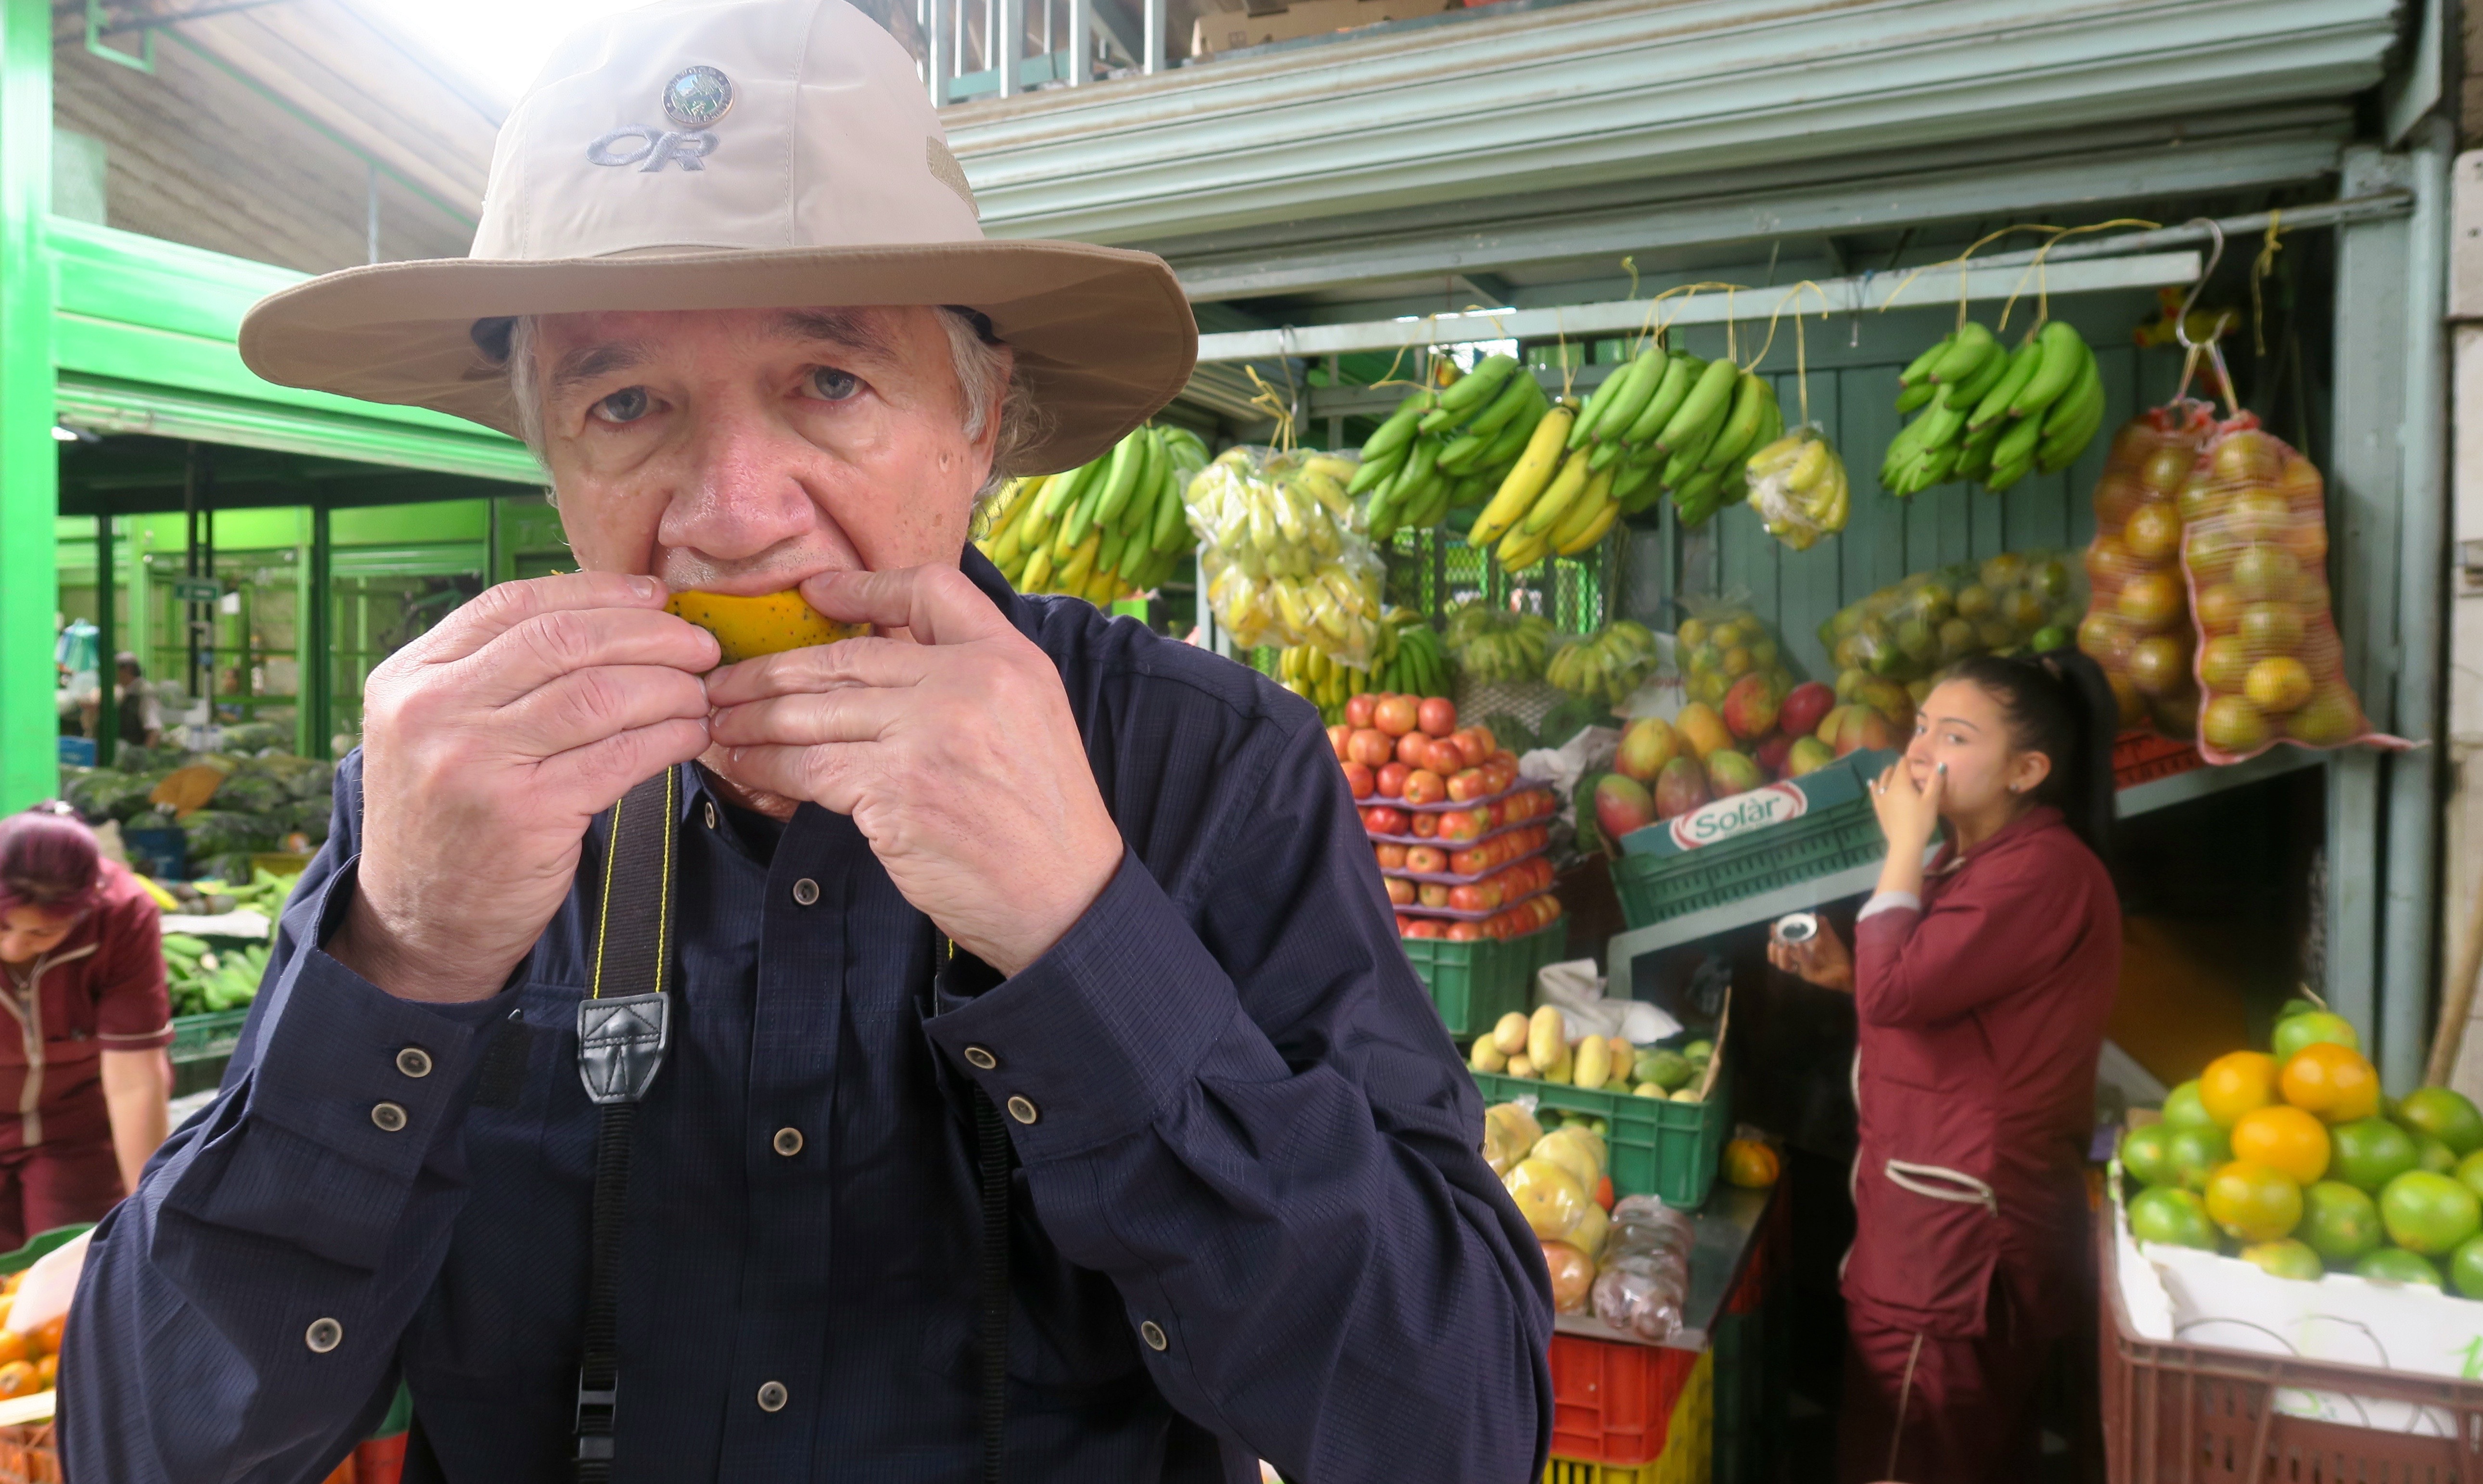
(954, 751)
(488, 746)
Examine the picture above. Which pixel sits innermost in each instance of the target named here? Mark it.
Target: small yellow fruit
(1509, 1035)
(746, 627)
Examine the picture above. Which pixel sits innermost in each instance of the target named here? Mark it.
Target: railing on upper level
(967, 52)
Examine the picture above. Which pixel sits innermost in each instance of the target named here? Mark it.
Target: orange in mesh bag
(2255, 545)
(2138, 627)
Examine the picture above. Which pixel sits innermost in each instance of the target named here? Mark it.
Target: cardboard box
(1257, 22)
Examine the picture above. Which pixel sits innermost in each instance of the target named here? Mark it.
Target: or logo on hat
(697, 97)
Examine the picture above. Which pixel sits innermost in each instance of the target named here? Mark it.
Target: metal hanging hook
(2182, 322)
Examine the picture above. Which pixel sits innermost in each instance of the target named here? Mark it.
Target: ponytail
(2059, 704)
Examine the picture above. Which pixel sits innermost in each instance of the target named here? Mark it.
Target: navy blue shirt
(1254, 1140)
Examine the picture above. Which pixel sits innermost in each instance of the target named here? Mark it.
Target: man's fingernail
(647, 587)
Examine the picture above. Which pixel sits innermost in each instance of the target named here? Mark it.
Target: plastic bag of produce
(1908, 632)
(1721, 641)
(1492, 642)
(1286, 560)
(2137, 625)
(221, 832)
(1798, 486)
(2254, 546)
(107, 793)
(250, 793)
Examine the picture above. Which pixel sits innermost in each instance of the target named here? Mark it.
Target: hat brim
(1101, 338)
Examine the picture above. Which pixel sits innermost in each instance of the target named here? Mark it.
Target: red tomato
(1437, 715)
(1428, 826)
(1392, 858)
(1425, 786)
(1392, 781)
(1357, 709)
(1337, 737)
(1469, 747)
(1394, 715)
(1468, 783)
(1412, 749)
(1472, 861)
(1370, 747)
(1458, 824)
(1432, 894)
(1379, 819)
(1359, 780)
(1481, 896)
(1464, 932)
(1427, 858)
(1423, 927)
(1482, 735)
(1401, 891)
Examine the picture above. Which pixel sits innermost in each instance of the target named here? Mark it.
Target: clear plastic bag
(1285, 555)
(2255, 546)
(1908, 632)
(1798, 486)
(2138, 626)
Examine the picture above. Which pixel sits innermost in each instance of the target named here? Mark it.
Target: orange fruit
(2333, 1081)
(2286, 1139)
(2253, 1203)
(48, 1336)
(1749, 1164)
(47, 1370)
(14, 1347)
(18, 1378)
(2234, 1083)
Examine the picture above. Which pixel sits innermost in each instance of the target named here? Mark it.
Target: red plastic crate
(2142, 758)
(1613, 1403)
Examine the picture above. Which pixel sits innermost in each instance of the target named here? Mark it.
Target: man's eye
(831, 384)
(628, 405)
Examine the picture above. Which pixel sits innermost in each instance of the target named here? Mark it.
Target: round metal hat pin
(697, 97)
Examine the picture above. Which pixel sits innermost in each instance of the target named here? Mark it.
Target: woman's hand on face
(1908, 815)
(1821, 959)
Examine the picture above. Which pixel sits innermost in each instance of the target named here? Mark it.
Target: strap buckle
(595, 1413)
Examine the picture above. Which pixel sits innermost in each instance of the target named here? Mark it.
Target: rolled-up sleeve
(246, 1301)
(1231, 1095)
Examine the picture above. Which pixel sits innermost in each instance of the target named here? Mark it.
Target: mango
(767, 623)
(1489, 1056)
(1509, 1035)
(1546, 1040)
(1595, 1061)
(1703, 728)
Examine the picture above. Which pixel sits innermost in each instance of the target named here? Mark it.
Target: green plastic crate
(198, 1038)
(1474, 984)
(1655, 888)
(1658, 1148)
(38, 1244)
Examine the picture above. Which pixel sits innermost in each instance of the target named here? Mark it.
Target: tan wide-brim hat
(734, 154)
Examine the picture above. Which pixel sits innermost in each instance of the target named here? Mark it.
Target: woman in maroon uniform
(1981, 986)
(83, 1083)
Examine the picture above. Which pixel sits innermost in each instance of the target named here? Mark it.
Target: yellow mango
(1545, 1037)
(1509, 1035)
(1595, 1061)
(767, 623)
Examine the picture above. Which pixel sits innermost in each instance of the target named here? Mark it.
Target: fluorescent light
(499, 45)
(63, 434)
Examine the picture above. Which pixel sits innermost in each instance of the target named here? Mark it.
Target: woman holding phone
(1982, 981)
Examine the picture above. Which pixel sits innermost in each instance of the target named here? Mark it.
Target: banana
(1037, 572)
(2024, 363)
(1556, 498)
(1063, 491)
(1919, 368)
(1081, 564)
(1707, 403)
(1377, 471)
(1399, 429)
(1973, 345)
(1145, 467)
(1522, 392)
(1968, 394)
(1916, 396)
(1740, 426)
(2017, 445)
(2064, 353)
(1471, 389)
(1616, 403)
(1525, 482)
(1587, 509)
(1681, 370)
(1807, 466)
(1171, 519)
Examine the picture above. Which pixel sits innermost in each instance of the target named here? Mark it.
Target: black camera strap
(623, 1027)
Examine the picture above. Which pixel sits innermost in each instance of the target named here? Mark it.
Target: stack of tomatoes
(1410, 748)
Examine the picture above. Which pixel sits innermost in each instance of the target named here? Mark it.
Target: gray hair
(979, 360)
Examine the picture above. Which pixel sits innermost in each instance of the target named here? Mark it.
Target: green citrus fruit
(2395, 1264)
(2470, 1172)
(2445, 1115)
(2368, 1152)
(2465, 1267)
(2291, 1007)
(2254, 1202)
(2192, 1153)
(2433, 1154)
(2340, 1222)
(2183, 1109)
(2296, 1031)
(2142, 1154)
(2429, 1213)
(2177, 1218)
(2284, 1257)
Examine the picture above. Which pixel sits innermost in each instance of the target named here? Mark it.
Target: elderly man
(763, 1217)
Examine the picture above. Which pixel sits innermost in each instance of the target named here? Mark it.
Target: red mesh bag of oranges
(2137, 626)
(2255, 546)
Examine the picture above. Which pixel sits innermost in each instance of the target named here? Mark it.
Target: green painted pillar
(30, 466)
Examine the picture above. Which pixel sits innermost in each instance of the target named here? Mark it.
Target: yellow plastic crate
(1689, 1438)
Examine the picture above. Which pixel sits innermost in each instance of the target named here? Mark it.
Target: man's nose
(743, 494)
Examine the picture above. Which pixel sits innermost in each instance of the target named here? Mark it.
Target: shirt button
(711, 816)
(771, 1396)
(1153, 1333)
(1022, 1110)
(414, 1061)
(978, 1057)
(806, 893)
(389, 1116)
(789, 1142)
(323, 1336)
